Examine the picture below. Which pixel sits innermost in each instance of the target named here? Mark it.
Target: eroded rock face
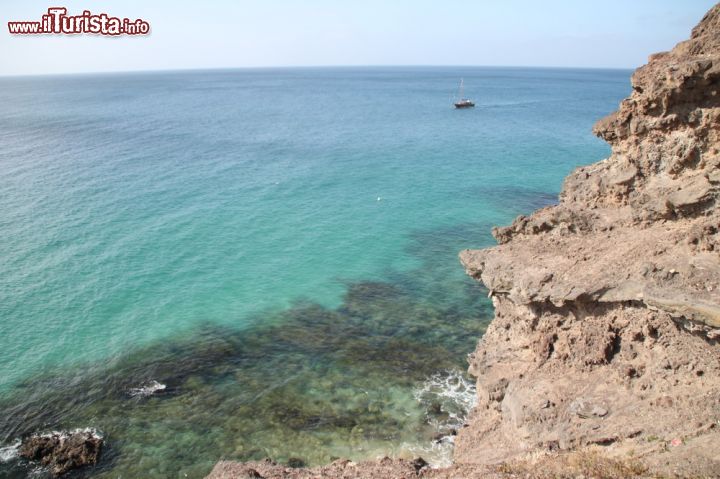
(608, 304)
(62, 452)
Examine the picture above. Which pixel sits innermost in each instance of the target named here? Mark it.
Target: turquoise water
(278, 247)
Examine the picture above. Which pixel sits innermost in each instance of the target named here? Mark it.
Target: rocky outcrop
(385, 468)
(608, 305)
(396, 468)
(62, 452)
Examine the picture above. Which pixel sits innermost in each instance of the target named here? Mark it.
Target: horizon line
(299, 67)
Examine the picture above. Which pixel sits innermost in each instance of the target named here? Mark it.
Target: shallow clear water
(276, 247)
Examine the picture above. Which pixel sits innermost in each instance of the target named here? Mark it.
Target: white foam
(8, 453)
(148, 389)
(456, 396)
(66, 434)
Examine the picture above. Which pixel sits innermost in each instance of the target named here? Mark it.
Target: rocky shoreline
(603, 357)
(607, 305)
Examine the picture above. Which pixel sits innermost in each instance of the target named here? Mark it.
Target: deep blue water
(276, 246)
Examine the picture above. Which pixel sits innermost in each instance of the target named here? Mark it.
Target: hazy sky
(245, 33)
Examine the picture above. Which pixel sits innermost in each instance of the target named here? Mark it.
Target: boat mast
(461, 90)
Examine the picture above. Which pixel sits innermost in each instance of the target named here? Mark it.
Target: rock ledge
(608, 305)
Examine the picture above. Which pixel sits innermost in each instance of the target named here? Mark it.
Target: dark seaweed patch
(516, 199)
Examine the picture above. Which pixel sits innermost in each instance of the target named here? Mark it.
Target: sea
(262, 263)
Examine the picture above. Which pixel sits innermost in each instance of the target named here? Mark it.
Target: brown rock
(62, 452)
(607, 304)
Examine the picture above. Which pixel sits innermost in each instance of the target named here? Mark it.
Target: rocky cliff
(607, 306)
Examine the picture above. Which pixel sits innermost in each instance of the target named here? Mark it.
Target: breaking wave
(447, 398)
(148, 389)
(8, 453)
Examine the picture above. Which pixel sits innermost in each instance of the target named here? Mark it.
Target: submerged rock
(62, 452)
(295, 462)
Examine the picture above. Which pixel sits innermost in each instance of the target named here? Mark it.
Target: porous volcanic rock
(62, 452)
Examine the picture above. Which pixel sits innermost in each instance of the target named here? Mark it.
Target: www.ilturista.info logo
(57, 21)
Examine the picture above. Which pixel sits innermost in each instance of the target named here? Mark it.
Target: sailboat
(464, 102)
